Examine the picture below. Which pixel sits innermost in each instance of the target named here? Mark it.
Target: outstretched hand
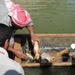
(34, 38)
(20, 54)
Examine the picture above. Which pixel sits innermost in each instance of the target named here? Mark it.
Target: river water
(50, 71)
(50, 16)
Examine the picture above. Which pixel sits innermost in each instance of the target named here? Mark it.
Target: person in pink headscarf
(16, 18)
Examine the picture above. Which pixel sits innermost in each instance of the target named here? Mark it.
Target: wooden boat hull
(48, 41)
(62, 64)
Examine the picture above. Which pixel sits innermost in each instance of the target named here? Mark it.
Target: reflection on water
(50, 71)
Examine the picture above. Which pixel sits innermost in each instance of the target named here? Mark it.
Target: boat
(60, 43)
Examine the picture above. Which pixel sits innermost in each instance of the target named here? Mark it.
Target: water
(50, 71)
(50, 16)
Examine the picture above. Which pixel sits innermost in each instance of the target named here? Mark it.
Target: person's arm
(18, 53)
(34, 37)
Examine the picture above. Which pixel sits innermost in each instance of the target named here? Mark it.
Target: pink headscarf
(19, 16)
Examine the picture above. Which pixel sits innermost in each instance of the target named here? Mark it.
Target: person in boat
(7, 65)
(15, 17)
